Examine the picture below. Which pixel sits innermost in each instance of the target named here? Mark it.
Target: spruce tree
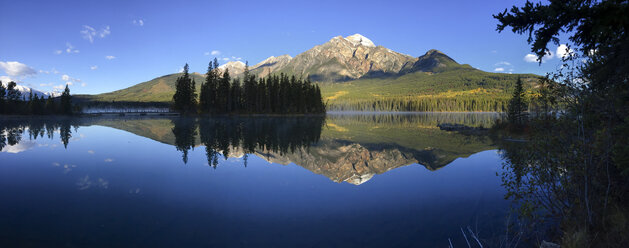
(223, 92)
(517, 105)
(66, 101)
(184, 98)
(205, 100)
(3, 93)
(236, 96)
(50, 106)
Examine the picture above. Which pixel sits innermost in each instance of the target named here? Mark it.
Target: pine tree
(185, 97)
(51, 108)
(206, 98)
(236, 95)
(3, 93)
(223, 92)
(66, 101)
(517, 105)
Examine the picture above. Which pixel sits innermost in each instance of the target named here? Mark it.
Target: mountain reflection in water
(343, 147)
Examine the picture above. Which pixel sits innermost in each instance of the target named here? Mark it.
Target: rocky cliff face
(235, 68)
(271, 64)
(346, 58)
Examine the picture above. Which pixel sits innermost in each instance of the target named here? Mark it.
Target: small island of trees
(220, 94)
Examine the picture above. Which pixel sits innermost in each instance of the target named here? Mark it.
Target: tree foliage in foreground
(575, 166)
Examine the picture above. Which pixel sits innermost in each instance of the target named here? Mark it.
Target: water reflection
(343, 147)
(11, 131)
(146, 181)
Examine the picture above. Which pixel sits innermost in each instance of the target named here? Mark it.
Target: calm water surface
(348, 180)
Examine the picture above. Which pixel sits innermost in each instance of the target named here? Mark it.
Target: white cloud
(226, 59)
(215, 52)
(531, 58)
(69, 80)
(45, 85)
(20, 147)
(499, 69)
(89, 33)
(17, 69)
(83, 84)
(57, 52)
(503, 63)
(110, 57)
(106, 31)
(138, 22)
(70, 48)
(563, 51)
(94, 67)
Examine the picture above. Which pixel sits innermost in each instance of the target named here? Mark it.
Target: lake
(346, 180)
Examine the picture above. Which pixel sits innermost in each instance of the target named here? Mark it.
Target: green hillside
(460, 89)
(160, 89)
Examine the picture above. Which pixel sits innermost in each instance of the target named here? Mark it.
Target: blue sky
(101, 46)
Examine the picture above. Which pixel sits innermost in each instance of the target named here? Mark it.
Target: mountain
(234, 67)
(270, 65)
(159, 89)
(433, 61)
(345, 59)
(356, 74)
(25, 91)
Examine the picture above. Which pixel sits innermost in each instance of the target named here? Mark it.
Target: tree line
(424, 104)
(220, 94)
(13, 102)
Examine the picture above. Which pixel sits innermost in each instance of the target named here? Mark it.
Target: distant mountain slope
(270, 65)
(25, 91)
(159, 89)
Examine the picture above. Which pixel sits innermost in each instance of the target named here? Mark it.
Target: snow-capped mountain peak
(232, 64)
(358, 39)
(25, 91)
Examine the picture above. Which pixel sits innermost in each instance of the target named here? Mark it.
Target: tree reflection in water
(223, 136)
(11, 131)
